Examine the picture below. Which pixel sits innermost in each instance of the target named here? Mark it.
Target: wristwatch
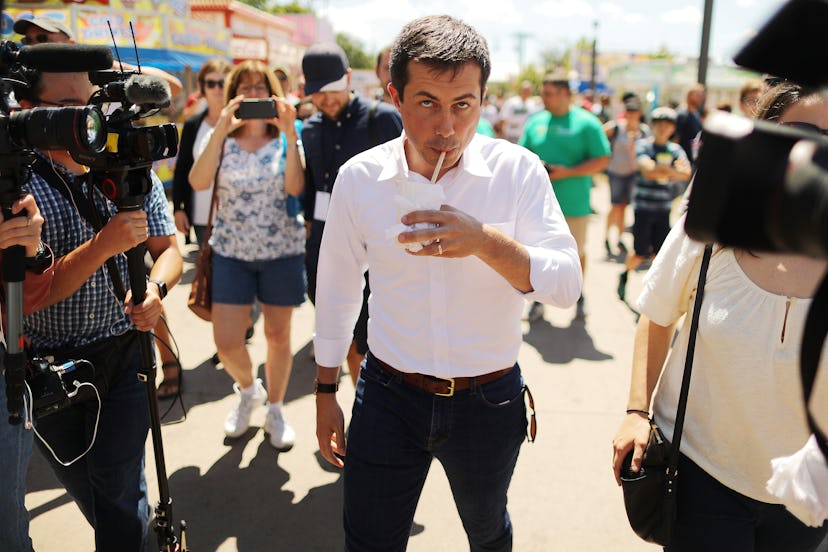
(41, 261)
(324, 387)
(162, 287)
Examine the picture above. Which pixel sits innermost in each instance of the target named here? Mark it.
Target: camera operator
(86, 318)
(745, 394)
(16, 440)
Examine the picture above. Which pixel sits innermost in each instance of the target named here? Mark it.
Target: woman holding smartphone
(258, 248)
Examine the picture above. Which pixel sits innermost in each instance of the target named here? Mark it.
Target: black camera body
(57, 387)
(759, 185)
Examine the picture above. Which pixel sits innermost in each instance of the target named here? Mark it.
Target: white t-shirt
(745, 404)
(514, 113)
(201, 198)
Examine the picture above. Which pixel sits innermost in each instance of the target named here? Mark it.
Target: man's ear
(395, 96)
(26, 104)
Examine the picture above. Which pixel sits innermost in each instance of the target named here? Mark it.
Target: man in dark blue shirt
(343, 126)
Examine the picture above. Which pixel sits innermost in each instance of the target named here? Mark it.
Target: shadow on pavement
(248, 504)
(562, 345)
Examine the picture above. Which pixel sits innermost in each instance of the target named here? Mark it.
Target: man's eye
(463, 105)
(426, 103)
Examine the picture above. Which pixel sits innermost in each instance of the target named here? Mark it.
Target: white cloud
(565, 8)
(610, 9)
(686, 15)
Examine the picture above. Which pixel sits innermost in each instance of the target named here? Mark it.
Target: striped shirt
(93, 312)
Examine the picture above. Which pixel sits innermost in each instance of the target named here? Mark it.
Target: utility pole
(705, 41)
(594, 56)
(521, 38)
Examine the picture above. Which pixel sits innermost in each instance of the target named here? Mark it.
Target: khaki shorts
(578, 228)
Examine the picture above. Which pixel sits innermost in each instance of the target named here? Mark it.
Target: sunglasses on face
(39, 38)
(210, 83)
(807, 126)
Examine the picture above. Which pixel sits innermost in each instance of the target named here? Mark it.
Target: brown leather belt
(442, 387)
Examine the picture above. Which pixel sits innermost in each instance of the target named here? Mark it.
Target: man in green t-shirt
(573, 146)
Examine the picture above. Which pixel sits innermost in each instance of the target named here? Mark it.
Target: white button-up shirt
(434, 315)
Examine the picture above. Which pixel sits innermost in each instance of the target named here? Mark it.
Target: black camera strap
(816, 328)
(85, 205)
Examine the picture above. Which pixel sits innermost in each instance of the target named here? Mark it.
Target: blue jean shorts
(277, 282)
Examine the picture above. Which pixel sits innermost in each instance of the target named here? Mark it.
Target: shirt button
(337, 147)
(339, 123)
(92, 315)
(92, 284)
(327, 175)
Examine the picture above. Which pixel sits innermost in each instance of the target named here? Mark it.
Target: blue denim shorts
(277, 282)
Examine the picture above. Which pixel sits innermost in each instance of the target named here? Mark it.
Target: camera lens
(49, 128)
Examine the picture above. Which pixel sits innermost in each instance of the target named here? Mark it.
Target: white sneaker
(282, 436)
(238, 419)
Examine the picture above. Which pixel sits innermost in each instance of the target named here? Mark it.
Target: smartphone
(257, 109)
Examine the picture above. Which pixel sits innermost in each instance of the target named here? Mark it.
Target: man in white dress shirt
(441, 379)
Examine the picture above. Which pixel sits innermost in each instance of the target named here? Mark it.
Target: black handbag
(650, 494)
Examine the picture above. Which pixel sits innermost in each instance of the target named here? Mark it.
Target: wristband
(324, 388)
(637, 411)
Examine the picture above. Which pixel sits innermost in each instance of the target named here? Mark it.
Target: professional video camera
(20, 132)
(764, 187)
(759, 185)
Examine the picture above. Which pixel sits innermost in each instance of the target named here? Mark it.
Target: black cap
(632, 103)
(325, 66)
(48, 24)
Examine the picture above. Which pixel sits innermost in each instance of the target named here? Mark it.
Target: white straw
(437, 168)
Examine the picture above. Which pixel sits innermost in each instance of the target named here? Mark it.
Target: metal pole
(705, 41)
(594, 56)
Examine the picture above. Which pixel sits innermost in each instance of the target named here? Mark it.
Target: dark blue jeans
(15, 451)
(396, 430)
(715, 518)
(108, 483)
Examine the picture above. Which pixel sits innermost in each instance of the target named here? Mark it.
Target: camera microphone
(147, 90)
(65, 58)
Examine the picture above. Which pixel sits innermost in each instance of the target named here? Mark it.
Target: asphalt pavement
(243, 495)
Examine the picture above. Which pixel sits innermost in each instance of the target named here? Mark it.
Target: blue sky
(623, 25)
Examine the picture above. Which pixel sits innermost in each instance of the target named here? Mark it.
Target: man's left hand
(144, 315)
(457, 234)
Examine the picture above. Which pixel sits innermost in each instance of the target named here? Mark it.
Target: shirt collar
(471, 162)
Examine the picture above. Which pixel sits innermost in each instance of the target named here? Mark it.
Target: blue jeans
(715, 518)
(395, 432)
(108, 483)
(15, 451)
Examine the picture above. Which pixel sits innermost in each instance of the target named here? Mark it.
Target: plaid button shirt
(94, 311)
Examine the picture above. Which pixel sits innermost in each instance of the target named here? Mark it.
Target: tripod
(127, 188)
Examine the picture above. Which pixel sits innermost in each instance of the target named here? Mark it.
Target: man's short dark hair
(443, 44)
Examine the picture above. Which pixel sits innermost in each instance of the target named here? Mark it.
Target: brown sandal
(173, 381)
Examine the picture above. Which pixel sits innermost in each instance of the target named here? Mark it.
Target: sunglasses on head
(210, 83)
(807, 126)
(39, 38)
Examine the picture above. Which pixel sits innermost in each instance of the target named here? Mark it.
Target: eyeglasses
(210, 83)
(39, 38)
(41, 101)
(258, 88)
(806, 126)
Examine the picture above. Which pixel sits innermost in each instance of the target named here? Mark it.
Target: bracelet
(637, 411)
(324, 388)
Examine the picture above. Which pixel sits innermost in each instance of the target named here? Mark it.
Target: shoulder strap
(688, 363)
(214, 199)
(86, 208)
(816, 328)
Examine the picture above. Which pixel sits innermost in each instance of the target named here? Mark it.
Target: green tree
(662, 53)
(294, 8)
(357, 57)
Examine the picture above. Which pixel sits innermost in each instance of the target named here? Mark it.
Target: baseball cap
(664, 114)
(326, 69)
(48, 24)
(632, 103)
